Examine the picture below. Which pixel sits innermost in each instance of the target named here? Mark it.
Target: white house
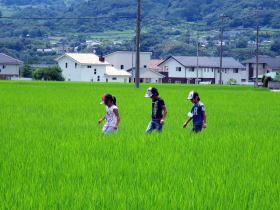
(187, 69)
(89, 67)
(9, 67)
(147, 75)
(126, 60)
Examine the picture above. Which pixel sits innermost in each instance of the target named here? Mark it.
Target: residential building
(190, 69)
(154, 64)
(127, 60)
(9, 67)
(147, 76)
(267, 64)
(90, 67)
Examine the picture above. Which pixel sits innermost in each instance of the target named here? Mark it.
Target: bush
(26, 71)
(232, 82)
(53, 73)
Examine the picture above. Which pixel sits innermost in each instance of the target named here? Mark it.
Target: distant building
(147, 76)
(267, 64)
(90, 67)
(187, 69)
(126, 60)
(9, 67)
(154, 64)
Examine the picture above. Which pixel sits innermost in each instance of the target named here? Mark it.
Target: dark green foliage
(275, 47)
(48, 73)
(26, 71)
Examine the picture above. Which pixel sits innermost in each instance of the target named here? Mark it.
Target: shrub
(48, 73)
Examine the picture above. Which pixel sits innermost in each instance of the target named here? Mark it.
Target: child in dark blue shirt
(197, 114)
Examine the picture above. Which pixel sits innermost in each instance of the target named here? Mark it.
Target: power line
(67, 18)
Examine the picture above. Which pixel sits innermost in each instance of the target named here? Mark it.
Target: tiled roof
(5, 59)
(154, 64)
(273, 63)
(191, 61)
(85, 58)
(111, 71)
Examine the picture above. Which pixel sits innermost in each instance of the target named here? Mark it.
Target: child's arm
(164, 115)
(116, 111)
(204, 120)
(101, 120)
(187, 122)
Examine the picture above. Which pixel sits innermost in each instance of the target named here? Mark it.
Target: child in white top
(112, 116)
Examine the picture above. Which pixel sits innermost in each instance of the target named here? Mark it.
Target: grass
(53, 155)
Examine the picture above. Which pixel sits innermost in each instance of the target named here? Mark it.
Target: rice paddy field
(54, 156)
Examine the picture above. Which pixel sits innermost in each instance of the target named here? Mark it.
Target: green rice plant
(54, 156)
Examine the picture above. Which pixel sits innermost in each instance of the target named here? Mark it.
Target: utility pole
(197, 54)
(222, 17)
(257, 48)
(138, 31)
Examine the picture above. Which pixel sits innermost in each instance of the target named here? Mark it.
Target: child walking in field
(159, 110)
(197, 114)
(112, 116)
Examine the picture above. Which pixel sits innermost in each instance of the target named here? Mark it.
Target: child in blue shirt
(197, 114)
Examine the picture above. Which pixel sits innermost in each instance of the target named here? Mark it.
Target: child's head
(108, 100)
(193, 97)
(152, 92)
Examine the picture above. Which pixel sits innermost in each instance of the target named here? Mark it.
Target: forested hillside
(169, 26)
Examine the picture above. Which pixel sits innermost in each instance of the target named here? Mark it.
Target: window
(98, 79)
(192, 69)
(267, 71)
(114, 78)
(89, 67)
(4, 66)
(235, 71)
(166, 68)
(178, 69)
(66, 65)
(0, 70)
(225, 71)
(94, 71)
(264, 65)
(212, 70)
(76, 65)
(122, 66)
(145, 66)
(106, 79)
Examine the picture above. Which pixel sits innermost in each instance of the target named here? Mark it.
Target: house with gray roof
(266, 65)
(147, 75)
(9, 67)
(192, 69)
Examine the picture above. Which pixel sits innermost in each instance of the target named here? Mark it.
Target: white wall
(125, 58)
(81, 72)
(85, 74)
(150, 76)
(228, 74)
(120, 79)
(70, 73)
(9, 69)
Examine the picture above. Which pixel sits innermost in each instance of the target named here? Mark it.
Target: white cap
(190, 96)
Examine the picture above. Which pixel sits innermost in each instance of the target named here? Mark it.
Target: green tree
(53, 73)
(275, 47)
(26, 71)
